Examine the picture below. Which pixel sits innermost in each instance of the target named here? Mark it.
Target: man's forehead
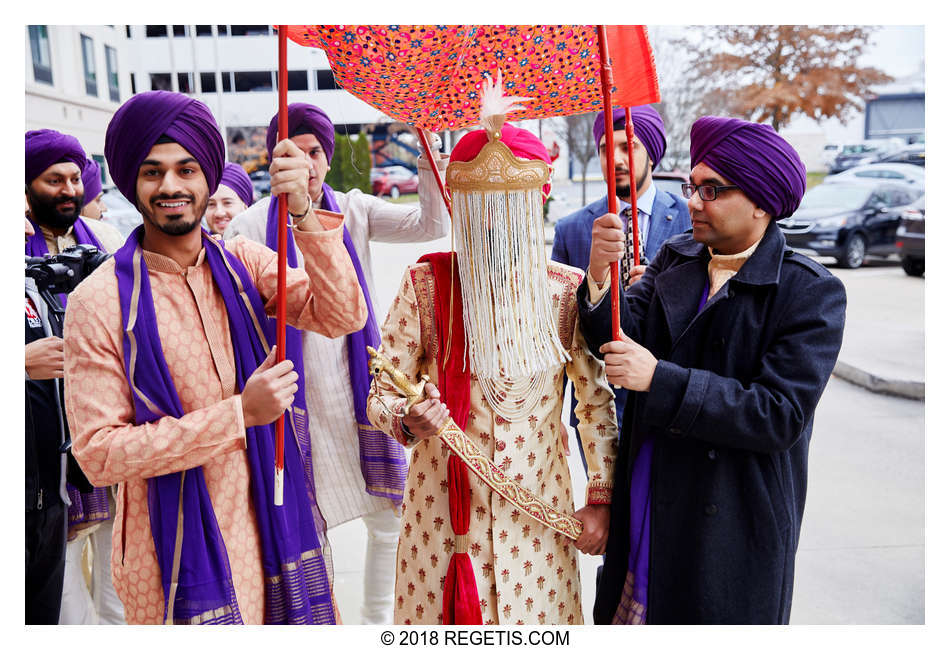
(702, 173)
(305, 140)
(62, 169)
(620, 135)
(168, 151)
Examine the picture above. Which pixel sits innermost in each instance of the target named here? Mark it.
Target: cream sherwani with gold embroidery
(525, 573)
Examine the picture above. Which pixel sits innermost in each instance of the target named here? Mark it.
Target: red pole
(606, 83)
(424, 141)
(281, 260)
(631, 172)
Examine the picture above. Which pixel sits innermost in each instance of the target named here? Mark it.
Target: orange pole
(606, 83)
(631, 172)
(281, 260)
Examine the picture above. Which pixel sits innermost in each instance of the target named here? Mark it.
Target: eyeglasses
(706, 192)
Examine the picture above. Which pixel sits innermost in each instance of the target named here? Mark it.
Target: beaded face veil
(498, 226)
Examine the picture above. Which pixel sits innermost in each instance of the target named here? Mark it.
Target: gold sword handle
(468, 452)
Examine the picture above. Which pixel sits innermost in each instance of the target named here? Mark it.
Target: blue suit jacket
(572, 236)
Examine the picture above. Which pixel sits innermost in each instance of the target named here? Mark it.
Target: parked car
(394, 181)
(862, 153)
(119, 212)
(849, 220)
(671, 181)
(260, 179)
(897, 172)
(912, 155)
(829, 152)
(910, 238)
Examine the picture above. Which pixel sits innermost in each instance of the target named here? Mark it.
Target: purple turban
(146, 117)
(304, 118)
(91, 181)
(647, 128)
(754, 157)
(237, 179)
(45, 148)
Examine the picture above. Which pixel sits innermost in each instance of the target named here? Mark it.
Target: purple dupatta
(195, 571)
(382, 459)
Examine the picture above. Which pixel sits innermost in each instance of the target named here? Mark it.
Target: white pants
(79, 606)
(379, 577)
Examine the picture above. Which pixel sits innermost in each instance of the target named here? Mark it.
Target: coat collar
(765, 265)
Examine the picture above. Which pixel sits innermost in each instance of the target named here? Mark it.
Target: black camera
(63, 272)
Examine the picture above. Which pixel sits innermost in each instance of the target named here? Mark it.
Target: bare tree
(769, 73)
(577, 132)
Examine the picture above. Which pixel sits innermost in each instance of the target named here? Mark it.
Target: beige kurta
(334, 438)
(525, 573)
(106, 233)
(193, 327)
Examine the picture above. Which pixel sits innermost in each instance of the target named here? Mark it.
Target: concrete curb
(897, 387)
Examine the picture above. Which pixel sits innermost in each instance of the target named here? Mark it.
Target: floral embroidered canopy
(430, 75)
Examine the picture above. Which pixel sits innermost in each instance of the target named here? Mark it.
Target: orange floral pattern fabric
(431, 75)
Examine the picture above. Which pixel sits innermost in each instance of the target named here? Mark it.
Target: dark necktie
(626, 262)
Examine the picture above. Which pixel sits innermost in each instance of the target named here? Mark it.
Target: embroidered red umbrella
(430, 76)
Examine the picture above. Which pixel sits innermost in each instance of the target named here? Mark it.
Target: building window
(184, 82)
(132, 77)
(180, 30)
(222, 30)
(160, 80)
(102, 167)
(128, 31)
(112, 73)
(208, 84)
(325, 80)
(296, 80)
(89, 65)
(250, 30)
(249, 82)
(39, 47)
(202, 30)
(156, 31)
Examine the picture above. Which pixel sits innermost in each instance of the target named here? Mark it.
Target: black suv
(849, 220)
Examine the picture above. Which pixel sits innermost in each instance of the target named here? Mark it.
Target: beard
(46, 210)
(181, 225)
(623, 191)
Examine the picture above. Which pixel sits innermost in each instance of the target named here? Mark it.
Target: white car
(913, 175)
(119, 212)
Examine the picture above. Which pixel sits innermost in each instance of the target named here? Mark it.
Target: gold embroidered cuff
(461, 543)
(599, 493)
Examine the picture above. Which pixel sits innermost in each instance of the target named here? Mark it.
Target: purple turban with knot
(647, 128)
(754, 157)
(144, 119)
(91, 181)
(45, 148)
(304, 118)
(237, 179)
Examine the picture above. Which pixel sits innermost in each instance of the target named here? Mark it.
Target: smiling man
(728, 341)
(172, 387)
(233, 196)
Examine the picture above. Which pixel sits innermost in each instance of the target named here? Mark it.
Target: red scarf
(460, 600)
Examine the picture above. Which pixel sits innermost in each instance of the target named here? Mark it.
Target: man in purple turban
(358, 470)
(54, 198)
(728, 341)
(660, 215)
(172, 385)
(233, 196)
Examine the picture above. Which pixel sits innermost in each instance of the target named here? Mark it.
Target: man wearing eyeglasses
(728, 341)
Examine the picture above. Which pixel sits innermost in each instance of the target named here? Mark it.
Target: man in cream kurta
(512, 319)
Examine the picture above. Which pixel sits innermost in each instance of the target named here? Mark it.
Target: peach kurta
(195, 335)
(525, 573)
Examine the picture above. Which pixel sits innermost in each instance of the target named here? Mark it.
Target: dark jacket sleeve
(769, 413)
(559, 251)
(595, 319)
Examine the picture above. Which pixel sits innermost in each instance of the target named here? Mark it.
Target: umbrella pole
(281, 261)
(424, 141)
(631, 172)
(606, 83)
